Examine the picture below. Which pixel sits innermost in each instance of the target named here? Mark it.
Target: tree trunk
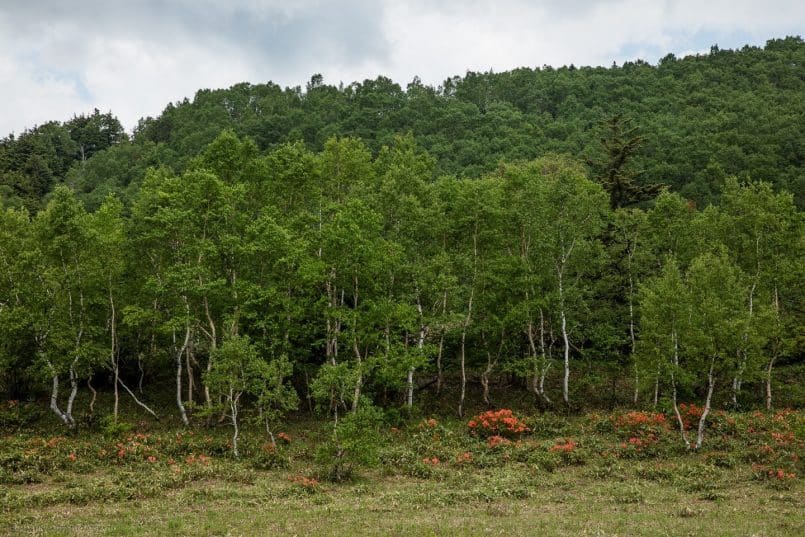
(94, 396)
(73, 391)
(359, 381)
(140, 403)
(566, 379)
(179, 356)
(703, 419)
(463, 353)
(54, 403)
(189, 365)
(233, 406)
(636, 394)
(467, 320)
(673, 392)
(113, 356)
(773, 357)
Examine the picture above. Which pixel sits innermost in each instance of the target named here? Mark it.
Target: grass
(567, 503)
(625, 474)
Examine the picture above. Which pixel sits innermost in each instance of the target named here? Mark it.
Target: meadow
(494, 473)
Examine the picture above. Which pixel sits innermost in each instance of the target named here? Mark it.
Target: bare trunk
(467, 320)
(113, 356)
(541, 364)
(743, 356)
(233, 406)
(673, 392)
(770, 367)
(94, 396)
(213, 336)
(566, 379)
(439, 373)
(703, 419)
(189, 365)
(636, 394)
(140, 403)
(420, 345)
(359, 381)
(73, 391)
(54, 403)
(179, 355)
(657, 387)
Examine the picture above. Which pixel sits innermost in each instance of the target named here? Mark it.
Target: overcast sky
(61, 57)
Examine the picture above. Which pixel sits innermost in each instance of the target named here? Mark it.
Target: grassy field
(596, 474)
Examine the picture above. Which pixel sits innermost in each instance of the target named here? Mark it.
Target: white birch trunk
(703, 419)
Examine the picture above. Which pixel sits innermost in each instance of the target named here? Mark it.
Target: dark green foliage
(240, 254)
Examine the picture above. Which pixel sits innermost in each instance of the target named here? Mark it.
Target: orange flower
(71, 456)
(152, 459)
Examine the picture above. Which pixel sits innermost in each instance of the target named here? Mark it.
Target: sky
(133, 57)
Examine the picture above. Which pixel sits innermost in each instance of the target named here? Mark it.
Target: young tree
(665, 307)
(569, 213)
(237, 370)
(715, 317)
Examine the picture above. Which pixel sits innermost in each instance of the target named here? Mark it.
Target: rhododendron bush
(497, 423)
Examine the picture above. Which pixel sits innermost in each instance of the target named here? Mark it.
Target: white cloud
(135, 57)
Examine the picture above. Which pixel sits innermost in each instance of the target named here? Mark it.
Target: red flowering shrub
(434, 461)
(640, 432)
(464, 458)
(308, 484)
(639, 422)
(284, 437)
(563, 446)
(428, 424)
(496, 441)
(497, 423)
(690, 414)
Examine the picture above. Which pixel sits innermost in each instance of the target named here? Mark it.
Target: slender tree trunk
(673, 391)
(213, 336)
(439, 373)
(73, 390)
(463, 358)
(703, 419)
(359, 381)
(657, 387)
(466, 325)
(113, 355)
(54, 402)
(141, 371)
(94, 393)
(566, 379)
(636, 394)
(743, 352)
(136, 400)
(179, 356)
(541, 361)
(420, 344)
(189, 365)
(773, 357)
(233, 406)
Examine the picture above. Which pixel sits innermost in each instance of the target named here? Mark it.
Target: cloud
(134, 57)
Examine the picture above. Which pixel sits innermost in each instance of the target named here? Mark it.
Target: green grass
(54, 485)
(489, 503)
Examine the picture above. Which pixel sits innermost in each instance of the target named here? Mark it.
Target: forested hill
(695, 120)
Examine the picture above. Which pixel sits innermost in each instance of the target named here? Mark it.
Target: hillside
(699, 119)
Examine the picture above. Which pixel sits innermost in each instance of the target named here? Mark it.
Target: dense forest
(626, 235)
